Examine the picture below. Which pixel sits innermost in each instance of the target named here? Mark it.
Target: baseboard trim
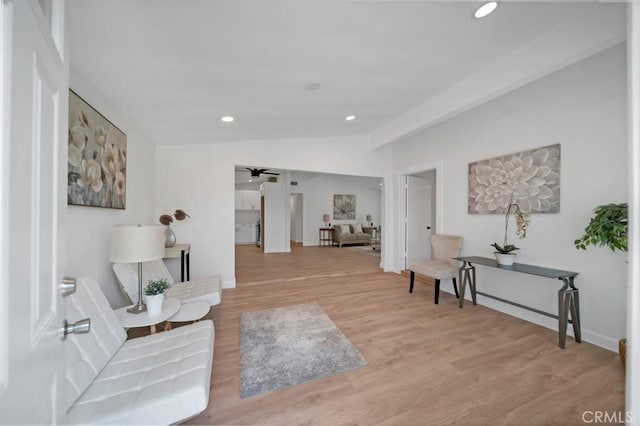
(592, 337)
(229, 283)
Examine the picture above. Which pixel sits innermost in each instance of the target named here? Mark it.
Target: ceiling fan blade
(270, 173)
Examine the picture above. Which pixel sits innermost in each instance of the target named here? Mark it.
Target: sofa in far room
(352, 234)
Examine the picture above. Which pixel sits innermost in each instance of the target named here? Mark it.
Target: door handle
(428, 228)
(67, 286)
(80, 327)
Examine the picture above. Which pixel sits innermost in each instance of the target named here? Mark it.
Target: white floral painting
(97, 159)
(344, 207)
(530, 178)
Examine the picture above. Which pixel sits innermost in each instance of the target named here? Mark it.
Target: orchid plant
(522, 221)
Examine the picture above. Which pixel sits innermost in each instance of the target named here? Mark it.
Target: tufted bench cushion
(157, 379)
(162, 378)
(208, 289)
(200, 290)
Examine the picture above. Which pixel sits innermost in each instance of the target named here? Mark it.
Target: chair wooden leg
(455, 288)
(413, 276)
(437, 290)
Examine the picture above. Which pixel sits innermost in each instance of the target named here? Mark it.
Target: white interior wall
(89, 228)
(633, 293)
(318, 193)
(582, 107)
(276, 220)
(297, 220)
(200, 179)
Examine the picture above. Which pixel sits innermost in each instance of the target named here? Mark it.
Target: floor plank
(427, 364)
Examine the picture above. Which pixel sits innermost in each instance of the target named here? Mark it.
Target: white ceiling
(175, 67)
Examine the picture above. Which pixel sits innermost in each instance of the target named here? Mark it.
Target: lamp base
(137, 309)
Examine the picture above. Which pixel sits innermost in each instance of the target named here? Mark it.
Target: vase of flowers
(167, 220)
(154, 296)
(505, 253)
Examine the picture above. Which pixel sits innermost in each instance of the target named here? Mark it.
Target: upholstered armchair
(443, 266)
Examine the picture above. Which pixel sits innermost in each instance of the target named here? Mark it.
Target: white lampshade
(137, 243)
(325, 218)
(369, 218)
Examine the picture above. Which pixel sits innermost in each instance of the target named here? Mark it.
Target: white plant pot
(154, 304)
(505, 259)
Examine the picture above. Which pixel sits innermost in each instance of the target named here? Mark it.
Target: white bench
(163, 378)
(208, 289)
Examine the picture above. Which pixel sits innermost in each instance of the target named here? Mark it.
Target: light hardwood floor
(427, 364)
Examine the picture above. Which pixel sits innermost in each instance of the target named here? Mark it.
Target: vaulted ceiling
(297, 68)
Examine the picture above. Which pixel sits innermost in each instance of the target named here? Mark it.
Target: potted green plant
(154, 295)
(608, 228)
(505, 253)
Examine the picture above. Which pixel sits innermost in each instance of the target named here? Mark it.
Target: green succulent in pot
(156, 287)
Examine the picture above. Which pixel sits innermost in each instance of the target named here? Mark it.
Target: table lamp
(369, 218)
(137, 244)
(325, 219)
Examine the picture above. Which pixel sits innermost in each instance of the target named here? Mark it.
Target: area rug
(290, 345)
(365, 249)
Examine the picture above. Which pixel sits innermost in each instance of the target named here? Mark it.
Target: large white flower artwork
(97, 158)
(529, 178)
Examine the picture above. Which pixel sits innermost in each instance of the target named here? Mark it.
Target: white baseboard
(229, 283)
(592, 337)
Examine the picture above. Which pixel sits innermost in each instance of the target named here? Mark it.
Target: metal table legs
(568, 303)
(467, 274)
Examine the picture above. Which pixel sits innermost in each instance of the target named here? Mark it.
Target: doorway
(420, 200)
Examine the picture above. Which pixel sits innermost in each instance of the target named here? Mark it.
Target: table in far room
(326, 237)
(179, 251)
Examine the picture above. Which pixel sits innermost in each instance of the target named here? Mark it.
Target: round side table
(129, 320)
(189, 312)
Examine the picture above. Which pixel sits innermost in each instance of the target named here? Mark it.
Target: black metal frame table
(183, 251)
(568, 295)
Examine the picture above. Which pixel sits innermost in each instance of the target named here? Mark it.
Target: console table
(568, 295)
(181, 251)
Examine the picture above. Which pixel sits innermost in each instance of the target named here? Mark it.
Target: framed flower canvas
(97, 159)
(529, 178)
(344, 207)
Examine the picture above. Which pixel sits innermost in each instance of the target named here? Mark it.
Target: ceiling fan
(258, 172)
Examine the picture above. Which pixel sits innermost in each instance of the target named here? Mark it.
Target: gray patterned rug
(286, 346)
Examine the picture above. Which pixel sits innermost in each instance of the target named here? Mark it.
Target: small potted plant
(505, 253)
(167, 220)
(608, 228)
(154, 295)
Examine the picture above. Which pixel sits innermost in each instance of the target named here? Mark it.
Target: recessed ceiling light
(485, 9)
(227, 119)
(350, 117)
(250, 180)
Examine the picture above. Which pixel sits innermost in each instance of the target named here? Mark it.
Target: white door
(418, 220)
(33, 193)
